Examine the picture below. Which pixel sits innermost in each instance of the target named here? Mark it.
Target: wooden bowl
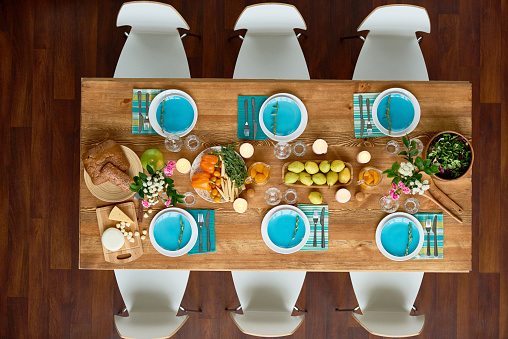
(299, 184)
(450, 132)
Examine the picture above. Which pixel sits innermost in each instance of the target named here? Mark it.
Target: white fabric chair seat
(149, 325)
(267, 324)
(391, 324)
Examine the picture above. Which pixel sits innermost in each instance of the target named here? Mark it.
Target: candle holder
(282, 150)
(192, 142)
(388, 205)
(290, 196)
(173, 143)
(273, 196)
(189, 199)
(392, 147)
(299, 148)
(412, 205)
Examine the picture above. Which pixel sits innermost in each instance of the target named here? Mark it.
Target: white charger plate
(380, 229)
(303, 118)
(152, 112)
(416, 106)
(192, 240)
(268, 241)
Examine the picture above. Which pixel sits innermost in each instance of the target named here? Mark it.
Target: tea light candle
(320, 146)
(183, 166)
(363, 157)
(343, 195)
(246, 150)
(240, 205)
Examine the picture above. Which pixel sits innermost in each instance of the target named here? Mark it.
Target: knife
(140, 207)
(140, 116)
(434, 230)
(362, 122)
(147, 105)
(369, 124)
(208, 247)
(322, 221)
(254, 123)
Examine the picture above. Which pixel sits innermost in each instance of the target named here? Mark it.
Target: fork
(246, 126)
(315, 218)
(146, 124)
(369, 124)
(428, 228)
(200, 223)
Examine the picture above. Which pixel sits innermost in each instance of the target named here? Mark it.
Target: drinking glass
(189, 199)
(412, 205)
(392, 147)
(173, 143)
(282, 150)
(369, 177)
(418, 144)
(299, 148)
(290, 196)
(388, 205)
(273, 196)
(192, 142)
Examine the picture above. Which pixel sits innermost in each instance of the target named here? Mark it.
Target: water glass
(392, 147)
(290, 196)
(173, 143)
(282, 150)
(418, 144)
(192, 142)
(299, 148)
(412, 205)
(388, 205)
(273, 196)
(189, 199)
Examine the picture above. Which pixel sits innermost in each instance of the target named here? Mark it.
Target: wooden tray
(299, 184)
(130, 250)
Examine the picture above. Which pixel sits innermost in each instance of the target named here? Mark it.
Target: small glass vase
(392, 147)
(290, 196)
(388, 205)
(192, 142)
(418, 145)
(173, 143)
(273, 196)
(282, 150)
(412, 205)
(299, 148)
(189, 199)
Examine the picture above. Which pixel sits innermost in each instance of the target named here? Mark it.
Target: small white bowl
(380, 228)
(192, 240)
(268, 241)
(416, 107)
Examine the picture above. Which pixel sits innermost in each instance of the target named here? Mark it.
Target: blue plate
(281, 228)
(402, 112)
(178, 114)
(395, 235)
(288, 116)
(166, 231)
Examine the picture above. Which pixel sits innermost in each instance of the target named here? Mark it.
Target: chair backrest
(150, 17)
(386, 291)
(270, 18)
(391, 324)
(403, 20)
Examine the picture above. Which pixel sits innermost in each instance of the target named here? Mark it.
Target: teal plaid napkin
(422, 217)
(356, 113)
(135, 109)
(260, 135)
(309, 211)
(211, 224)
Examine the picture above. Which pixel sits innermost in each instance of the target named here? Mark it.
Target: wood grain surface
(106, 114)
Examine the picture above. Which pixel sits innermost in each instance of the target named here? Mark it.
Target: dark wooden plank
(17, 309)
(469, 33)
(448, 46)
(488, 306)
(64, 51)
(60, 306)
(490, 52)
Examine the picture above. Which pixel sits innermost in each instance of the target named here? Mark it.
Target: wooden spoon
(429, 196)
(441, 194)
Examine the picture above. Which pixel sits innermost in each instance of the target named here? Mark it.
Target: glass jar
(273, 196)
(392, 147)
(173, 143)
(290, 196)
(412, 205)
(388, 205)
(192, 142)
(369, 177)
(299, 148)
(418, 145)
(189, 199)
(282, 150)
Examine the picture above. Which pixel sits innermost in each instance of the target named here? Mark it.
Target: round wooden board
(109, 192)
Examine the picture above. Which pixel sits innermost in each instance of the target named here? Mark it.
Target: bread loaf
(97, 157)
(117, 177)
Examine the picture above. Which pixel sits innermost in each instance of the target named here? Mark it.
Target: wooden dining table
(106, 113)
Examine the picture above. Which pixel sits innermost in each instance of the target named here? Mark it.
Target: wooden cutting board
(130, 250)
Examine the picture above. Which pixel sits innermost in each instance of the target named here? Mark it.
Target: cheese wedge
(118, 215)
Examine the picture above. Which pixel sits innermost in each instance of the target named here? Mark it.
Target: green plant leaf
(413, 153)
(149, 169)
(419, 162)
(405, 140)
(141, 194)
(403, 153)
(133, 187)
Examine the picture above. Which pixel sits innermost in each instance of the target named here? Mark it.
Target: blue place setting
(395, 237)
(175, 114)
(282, 116)
(400, 109)
(168, 228)
(282, 226)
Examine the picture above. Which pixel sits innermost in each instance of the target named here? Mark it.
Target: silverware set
(321, 217)
(362, 120)
(143, 120)
(246, 127)
(431, 225)
(200, 224)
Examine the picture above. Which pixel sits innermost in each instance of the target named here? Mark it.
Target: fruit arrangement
(259, 173)
(320, 173)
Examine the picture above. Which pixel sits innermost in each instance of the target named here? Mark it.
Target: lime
(154, 158)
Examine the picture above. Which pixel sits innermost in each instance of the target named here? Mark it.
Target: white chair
(152, 299)
(386, 299)
(270, 49)
(391, 50)
(153, 48)
(267, 300)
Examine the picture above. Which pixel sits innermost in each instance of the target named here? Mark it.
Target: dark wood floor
(47, 46)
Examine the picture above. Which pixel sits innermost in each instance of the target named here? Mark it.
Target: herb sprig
(410, 238)
(235, 167)
(387, 114)
(296, 231)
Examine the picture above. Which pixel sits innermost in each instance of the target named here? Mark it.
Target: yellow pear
(344, 176)
(311, 167)
(306, 179)
(315, 198)
(337, 165)
(291, 178)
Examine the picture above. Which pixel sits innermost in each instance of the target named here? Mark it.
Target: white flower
(144, 184)
(411, 183)
(421, 192)
(149, 183)
(145, 190)
(156, 179)
(425, 182)
(425, 187)
(149, 178)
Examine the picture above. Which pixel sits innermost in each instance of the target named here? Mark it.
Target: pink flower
(391, 192)
(171, 164)
(406, 190)
(167, 203)
(401, 184)
(393, 185)
(168, 171)
(395, 196)
(146, 204)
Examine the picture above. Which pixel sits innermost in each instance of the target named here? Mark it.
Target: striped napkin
(135, 109)
(356, 113)
(211, 224)
(308, 209)
(260, 135)
(422, 217)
